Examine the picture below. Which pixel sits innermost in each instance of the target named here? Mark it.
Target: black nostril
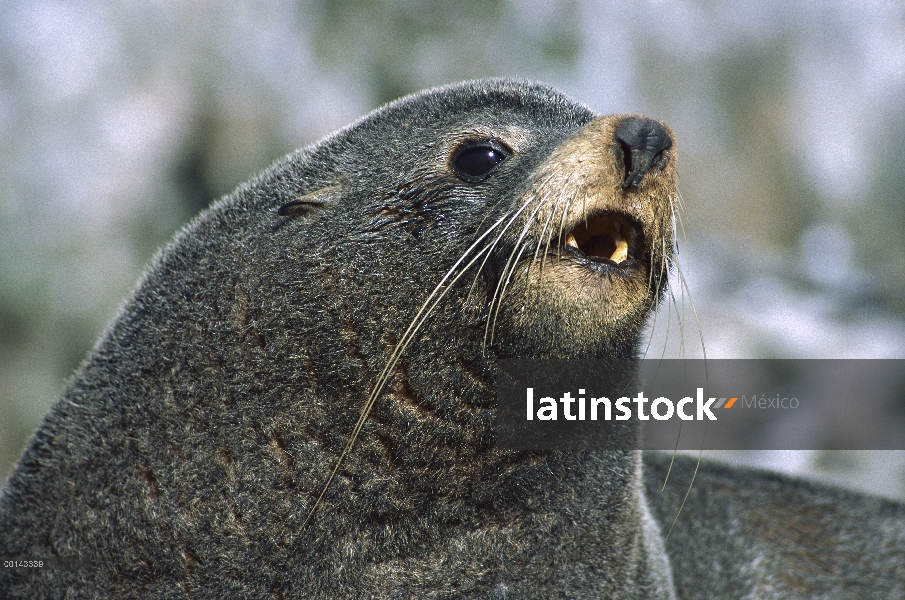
(626, 157)
(642, 142)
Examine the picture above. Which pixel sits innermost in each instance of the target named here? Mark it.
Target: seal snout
(643, 142)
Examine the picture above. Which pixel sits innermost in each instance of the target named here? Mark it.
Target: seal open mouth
(605, 238)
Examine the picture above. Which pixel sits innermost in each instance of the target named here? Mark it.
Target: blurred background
(120, 121)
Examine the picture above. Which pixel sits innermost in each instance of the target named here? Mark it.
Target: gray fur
(185, 455)
(745, 533)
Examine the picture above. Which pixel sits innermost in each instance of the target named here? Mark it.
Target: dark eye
(474, 163)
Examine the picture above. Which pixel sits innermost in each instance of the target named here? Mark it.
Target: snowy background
(119, 121)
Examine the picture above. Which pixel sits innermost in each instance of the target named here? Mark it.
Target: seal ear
(312, 200)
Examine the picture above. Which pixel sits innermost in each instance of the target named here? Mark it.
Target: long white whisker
(543, 233)
(562, 221)
(560, 201)
(497, 298)
(507, 273)
(496, 241)
(664, 273)
(686, 293)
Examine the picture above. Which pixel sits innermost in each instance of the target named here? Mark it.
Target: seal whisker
(562, 225)
(521, 208)
(661, 266)
(686, 293)
(665, 267)
(561, 201)
(538, 259)
(657, 278)
(543, 200)
(495, 242)
(507, 271)
(543, 232)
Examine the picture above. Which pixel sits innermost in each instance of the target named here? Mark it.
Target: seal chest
(338, 320)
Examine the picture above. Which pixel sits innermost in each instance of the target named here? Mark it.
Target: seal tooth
(571, 241)
(621, 252)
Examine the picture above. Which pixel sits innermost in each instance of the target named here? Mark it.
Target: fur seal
(361, 290)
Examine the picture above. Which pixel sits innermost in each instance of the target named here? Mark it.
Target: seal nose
(643, 142)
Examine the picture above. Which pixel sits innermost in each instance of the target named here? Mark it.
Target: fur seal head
(361, 290)
(570, 214)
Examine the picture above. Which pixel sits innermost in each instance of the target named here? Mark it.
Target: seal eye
(474, 163)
